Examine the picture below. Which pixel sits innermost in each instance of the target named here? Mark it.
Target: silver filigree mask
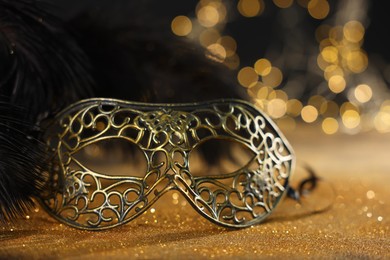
(167, 135)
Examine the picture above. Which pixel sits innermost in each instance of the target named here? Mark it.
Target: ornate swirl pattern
(87, 199)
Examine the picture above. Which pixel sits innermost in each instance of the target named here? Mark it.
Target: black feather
(21, 163)
(42, 68)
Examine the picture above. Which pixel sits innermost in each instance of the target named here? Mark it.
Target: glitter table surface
(355, 173)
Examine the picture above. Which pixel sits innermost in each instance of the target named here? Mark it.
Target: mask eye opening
(220, 156)
(113, 157)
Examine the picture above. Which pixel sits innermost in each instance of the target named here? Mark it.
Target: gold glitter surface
(356, 177)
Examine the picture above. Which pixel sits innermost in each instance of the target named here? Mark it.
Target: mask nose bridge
(173, 176)
(174, 154)
(177, 166)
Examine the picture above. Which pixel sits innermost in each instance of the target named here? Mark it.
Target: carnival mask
(166, 135)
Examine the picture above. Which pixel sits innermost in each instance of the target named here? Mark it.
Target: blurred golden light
(346, 47)
(340, 57)
(294, 107)
(283, 3)
(250, 8)
(93, 149)
(336, 35)
(220, 8)
(385, 106)
(322, 32)
(217, 51)
(255, 88)
(181, 25)
(273, 78)
(353, 31)
(351, 119)
(286, 123)
(382, 122)
(333, 70)
(357, 61)
(316, 101)
(208, 16)
(100, 126)
(229, 44)
(348, 106)
(309, 114)
(363, 93)
(329, 109)
(318, 9)
(321, 62)
(203, 3)
(222, 12)
(232, 62)
(330, 125)
(263, 67)
(276, 108)
(337, 84)
(247, 77)
(208, 37)
(280, 94)
(330, 54)
(325, 43)
(264, 92)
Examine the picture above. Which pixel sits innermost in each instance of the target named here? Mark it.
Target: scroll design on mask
(166, 134)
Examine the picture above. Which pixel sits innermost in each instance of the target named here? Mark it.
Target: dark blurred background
(323, 62)
(257, 31)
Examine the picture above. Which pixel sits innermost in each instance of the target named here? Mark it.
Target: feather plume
(42, 68)
(21, 158)
(41, 71)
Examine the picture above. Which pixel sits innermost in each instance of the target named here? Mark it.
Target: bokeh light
(353, 31)
(208, 16)
(263, 67)
(283, 3)
(229, 44)
(337, 83)
(247, 76)
(357, 61)
(273, 78)
(217, 51)
(276, 108)
(330, 54)
(309, 114)
(333, 70)
(209, 36)
(250, 8)
(181, 25)
(318, 9)
(294, 107)
(351, 119)
(363, 93)
(382, 121)
(330, 125)
(232, 62)
(325, 79)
